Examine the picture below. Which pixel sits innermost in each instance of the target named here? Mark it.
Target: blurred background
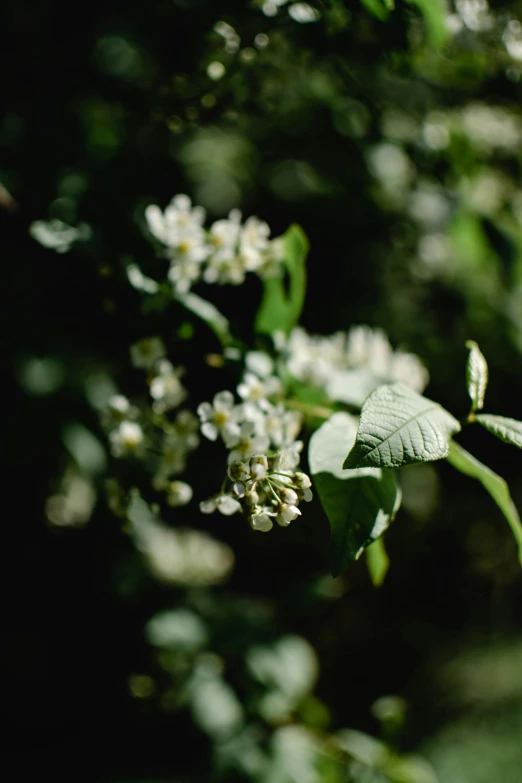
(393, 136)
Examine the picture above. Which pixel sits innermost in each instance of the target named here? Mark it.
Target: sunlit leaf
(359, 504)
(508, 430)
(476, 375)
(399, 427)
(280, 308)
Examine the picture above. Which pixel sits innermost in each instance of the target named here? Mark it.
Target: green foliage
(399, 427)
(434, 13)
(281, 306)
(360, 504)
(476, 376)
(379, 8)
(378, 562)
(508, 430)
(494, 484)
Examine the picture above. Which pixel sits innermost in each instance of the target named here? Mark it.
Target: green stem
(319, 411)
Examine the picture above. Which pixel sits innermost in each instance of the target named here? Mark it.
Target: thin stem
(319, 411)
(274, 493)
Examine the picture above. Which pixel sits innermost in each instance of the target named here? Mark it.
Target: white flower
(302, 481)
(57, 235)
(238, 489)
(224, 234)
(288, 496)
(287, 513)
(227, 505)
(281, 425)
(252, 497)
(256, 389)
(248, 442)
(238, 471)
(287, 459)
(180, 219)
(371, 348)
(272, 259)
(259, 363)
(253, 242)
(223, 268)
(220, 417)
(126, 438)
(224, 503)
(408, 368)
(180, 229)
(156, 222)
(179, 493)
(166, 388)
(183, 273)
(258, 467)
(312, 358)
(261, 522)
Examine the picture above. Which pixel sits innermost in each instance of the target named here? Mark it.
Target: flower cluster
(316, 359)
(169, 440)
(222, 254)
(260, 433)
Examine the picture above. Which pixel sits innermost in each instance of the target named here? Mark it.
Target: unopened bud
(302, 481)
(288, 496)
(258, 467)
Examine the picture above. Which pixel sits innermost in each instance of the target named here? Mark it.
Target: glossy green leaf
(359, 504)
(508, 430)
(377, 561)
(280, 308)
(476, 376)
(493, 483)
(399, 427)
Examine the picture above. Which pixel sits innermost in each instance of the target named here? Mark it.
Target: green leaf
(377, 561)
(359, 504)
(476, 376)
(434, 13)
(496, 486)
(280, 308)
(399, 427)
(378, 8)
(508, 430)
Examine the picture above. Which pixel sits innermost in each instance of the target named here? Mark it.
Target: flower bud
(252, 497)
(258, 467)
(261, 522)
(302, 481)
(179, 493)
(305, 494)
(287, 513)
(288, 496)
